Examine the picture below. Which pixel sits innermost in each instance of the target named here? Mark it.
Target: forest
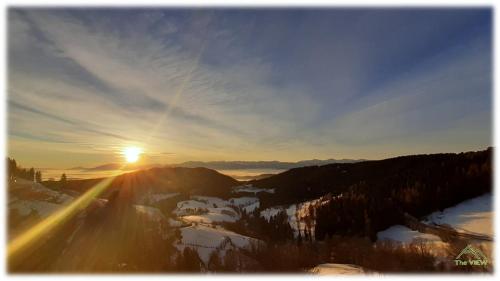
(359, 200)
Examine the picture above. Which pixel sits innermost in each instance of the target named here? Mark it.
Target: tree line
(15, 171)
(421, 186)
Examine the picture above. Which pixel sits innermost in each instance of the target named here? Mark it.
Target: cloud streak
(320, 83)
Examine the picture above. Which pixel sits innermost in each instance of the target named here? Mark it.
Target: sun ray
(48, 224)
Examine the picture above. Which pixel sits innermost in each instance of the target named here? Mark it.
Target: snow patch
(41, 208)
(298, 214)
(473, 215)
(174, 223)
(205, 209)
(337, 268)
(152, 198)
(28, 197)
(209, 218)
(207, 240)
(404, 234)
(249, 204)
(152, 213)
(251, 189)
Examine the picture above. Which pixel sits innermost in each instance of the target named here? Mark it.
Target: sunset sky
(246, 84)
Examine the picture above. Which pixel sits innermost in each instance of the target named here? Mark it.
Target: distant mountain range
(242, 165)
(224, 165)
(116, 166)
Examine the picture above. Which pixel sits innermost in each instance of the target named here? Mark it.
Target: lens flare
(44, 227)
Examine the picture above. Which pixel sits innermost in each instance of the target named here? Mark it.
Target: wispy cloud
(259, 84)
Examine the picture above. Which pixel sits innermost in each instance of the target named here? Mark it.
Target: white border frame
(240, 3)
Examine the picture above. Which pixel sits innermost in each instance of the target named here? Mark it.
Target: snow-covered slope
(28, 198)
(298, 214)
(249, 204)
(151, 213)
(204, 209)
(401, 233)
(337, 269)
(152, 198)
(251, 189)
(214, 216)
(204, 235)
(207, 239)
(474, 215)
(208, 210)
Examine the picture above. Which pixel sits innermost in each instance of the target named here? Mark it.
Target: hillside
(88, 240)
(306, 219)
(201, 181)
(301, 184)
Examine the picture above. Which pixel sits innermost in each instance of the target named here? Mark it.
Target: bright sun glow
(132, 153)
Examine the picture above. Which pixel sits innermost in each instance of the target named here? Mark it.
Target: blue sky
(230, 84)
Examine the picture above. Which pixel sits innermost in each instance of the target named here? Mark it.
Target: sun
(132, 153)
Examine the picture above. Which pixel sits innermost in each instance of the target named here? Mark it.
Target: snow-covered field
(474, 215)
(403, 234)
(151, 213)
(291, 212)
(205, 236)
(207, 239)
(152, 198)
(273, 211)
(249, 204)
(337, 269)
(298, 214)
(41, 208)
(204, 209)
(251, 189)
(213, 216)
(174, 223)
(27, 197)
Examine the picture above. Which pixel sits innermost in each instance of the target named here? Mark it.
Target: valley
(198, 220)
